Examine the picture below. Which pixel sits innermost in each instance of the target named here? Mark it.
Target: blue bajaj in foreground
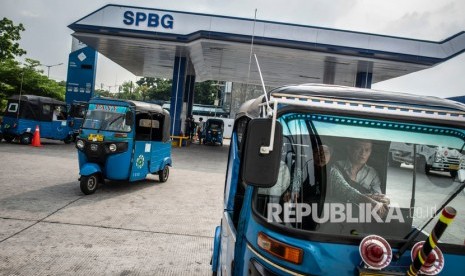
(23, 116)
(293, 206)
(123, 140)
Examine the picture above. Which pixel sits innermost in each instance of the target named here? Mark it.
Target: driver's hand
(291, 196)
(380, 198)
(383, 209)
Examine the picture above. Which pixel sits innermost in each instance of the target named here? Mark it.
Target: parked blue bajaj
(22, 116)
(292, 208)
(123, 140)
(77, 111)
(214, 129)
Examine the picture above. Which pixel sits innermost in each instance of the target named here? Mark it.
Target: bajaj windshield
(358, 176)
(106, 117)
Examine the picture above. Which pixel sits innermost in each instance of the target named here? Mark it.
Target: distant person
(190, 126)
(57, 114)
(200, 128)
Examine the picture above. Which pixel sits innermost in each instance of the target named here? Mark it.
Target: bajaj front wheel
(89, 184)
(25, 138)
(8, 138)
(68, 139)
(163, 174)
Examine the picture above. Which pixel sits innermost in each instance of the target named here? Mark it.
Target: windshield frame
(312, 235)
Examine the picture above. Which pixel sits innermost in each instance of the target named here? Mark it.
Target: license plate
(96, 137)
(453, 167)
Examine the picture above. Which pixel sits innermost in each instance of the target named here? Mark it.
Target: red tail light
(434, 262)
(376, 252)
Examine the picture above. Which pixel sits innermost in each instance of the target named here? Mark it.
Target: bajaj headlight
(80, 144)
(112, 147)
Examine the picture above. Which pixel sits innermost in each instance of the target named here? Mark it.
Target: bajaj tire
(8, 138)
(68, 139)
(25, 138)
(89, 184)
(453, 173)
(164, 174)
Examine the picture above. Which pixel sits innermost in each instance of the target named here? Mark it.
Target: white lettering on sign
(105, 107)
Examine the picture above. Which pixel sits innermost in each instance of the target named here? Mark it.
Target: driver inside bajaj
(352, 180)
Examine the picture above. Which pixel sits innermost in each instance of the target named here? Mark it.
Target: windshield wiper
(412, 235)
(110, 123)
(115, 119)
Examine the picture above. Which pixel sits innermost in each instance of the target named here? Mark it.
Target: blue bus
(22, 116)
(309, 190)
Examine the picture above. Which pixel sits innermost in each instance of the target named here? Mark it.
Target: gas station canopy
(146, 41)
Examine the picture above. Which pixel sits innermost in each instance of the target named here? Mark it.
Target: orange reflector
(279, 249)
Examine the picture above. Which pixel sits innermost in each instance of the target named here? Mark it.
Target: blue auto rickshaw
(22, 116)
(123, 140)
(213, 131)
(291, 206)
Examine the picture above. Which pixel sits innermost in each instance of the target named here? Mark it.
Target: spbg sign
(152, 20)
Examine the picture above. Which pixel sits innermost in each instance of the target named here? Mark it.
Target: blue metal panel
(232, 174)
(140, 160)
(81, 158)
(118, 166)
(89, 168)
(242, 229)
(160, 156)
(216, 249)
(82, 65)
(177, 92)
(190, 84)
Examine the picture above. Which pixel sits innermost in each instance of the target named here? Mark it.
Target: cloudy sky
(48, 39)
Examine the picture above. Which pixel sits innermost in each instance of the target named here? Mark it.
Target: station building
(191, 47)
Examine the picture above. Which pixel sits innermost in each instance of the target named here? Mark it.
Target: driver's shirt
(367, 177)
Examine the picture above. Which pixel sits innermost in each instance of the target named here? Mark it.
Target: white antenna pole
(263, 83)
(251, 51)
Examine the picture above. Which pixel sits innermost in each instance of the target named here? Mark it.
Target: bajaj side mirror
(129, 118)
(261, 170)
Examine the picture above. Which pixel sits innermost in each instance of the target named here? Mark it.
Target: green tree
(28, 79)
(103, 93)
(128, 91)
(205, 92)
(9, 35)
(155, 88)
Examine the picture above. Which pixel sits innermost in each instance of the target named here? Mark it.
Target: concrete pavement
(48, 227)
